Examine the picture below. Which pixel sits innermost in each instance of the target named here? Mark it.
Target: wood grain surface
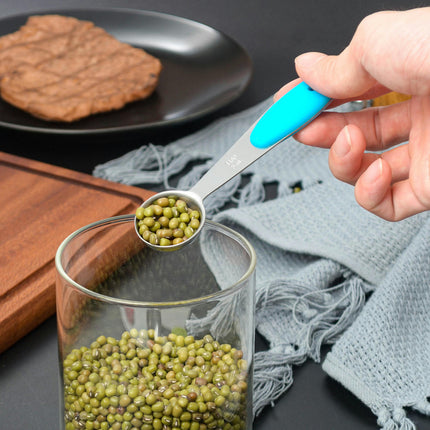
(40, 205)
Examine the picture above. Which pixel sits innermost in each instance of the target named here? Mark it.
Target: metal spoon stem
(241, 155)
(284, 118)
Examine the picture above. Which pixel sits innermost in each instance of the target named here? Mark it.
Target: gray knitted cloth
(320, 256)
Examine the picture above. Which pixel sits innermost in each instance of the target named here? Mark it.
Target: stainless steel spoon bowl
(284, 118)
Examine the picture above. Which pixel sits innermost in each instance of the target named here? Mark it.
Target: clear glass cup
(155, 340)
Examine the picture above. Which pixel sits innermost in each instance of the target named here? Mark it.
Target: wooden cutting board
(40, 205)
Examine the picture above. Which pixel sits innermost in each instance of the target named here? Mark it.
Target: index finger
(382, 127)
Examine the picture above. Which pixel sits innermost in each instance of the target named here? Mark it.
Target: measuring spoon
(284, 118)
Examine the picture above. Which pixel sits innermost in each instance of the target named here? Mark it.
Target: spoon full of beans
(171, 219)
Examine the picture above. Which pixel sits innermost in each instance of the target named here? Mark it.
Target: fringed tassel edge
(395, 419)
(326, 318)
(273, 376)
(423, 406)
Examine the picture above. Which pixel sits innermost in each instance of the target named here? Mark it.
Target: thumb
(337, 76)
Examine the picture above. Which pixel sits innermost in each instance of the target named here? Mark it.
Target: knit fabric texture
(320, 257)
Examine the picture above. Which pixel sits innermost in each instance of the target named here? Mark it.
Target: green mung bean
(146, 381)
(170, 218)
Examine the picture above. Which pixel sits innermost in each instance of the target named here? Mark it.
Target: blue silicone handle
(288, 115)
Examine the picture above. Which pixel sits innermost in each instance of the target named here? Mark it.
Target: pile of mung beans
(143, 381)
(168, 221)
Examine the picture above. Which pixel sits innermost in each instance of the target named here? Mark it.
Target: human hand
(390, 51)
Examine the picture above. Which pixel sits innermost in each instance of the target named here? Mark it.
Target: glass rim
(149, 304)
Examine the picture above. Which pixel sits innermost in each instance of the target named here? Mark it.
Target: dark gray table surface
(273, 32)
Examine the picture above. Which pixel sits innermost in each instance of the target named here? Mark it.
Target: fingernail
(343, 144)
(373, 172)
(308, 60)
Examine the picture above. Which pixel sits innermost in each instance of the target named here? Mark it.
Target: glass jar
(155, 340)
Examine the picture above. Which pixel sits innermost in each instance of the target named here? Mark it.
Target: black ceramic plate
(203, 70)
